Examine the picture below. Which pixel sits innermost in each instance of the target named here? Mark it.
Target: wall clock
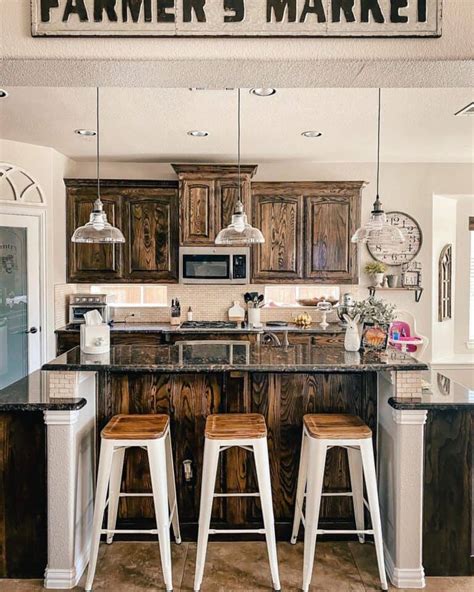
(404, 252)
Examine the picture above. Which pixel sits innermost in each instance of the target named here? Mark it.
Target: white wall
(406, 187)
(47, 167)
(465, 209)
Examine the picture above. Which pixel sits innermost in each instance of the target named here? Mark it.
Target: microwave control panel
(239, 264)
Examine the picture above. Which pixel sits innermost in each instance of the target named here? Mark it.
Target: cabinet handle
(188, 470)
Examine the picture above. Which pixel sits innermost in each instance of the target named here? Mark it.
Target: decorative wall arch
(18, 186)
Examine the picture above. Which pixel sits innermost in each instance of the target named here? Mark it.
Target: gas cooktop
(209, 325)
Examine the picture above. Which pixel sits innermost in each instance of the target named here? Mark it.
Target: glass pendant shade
(239, 232)
(98, 230)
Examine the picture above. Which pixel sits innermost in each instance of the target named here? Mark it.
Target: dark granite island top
(31, 394)
(227, 356)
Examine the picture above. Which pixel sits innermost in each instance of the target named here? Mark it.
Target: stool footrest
(236, 531)
(322, 531)
(128, 531)
(256, 494)
(135, 495)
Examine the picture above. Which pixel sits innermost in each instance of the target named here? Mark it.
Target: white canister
(254, 318)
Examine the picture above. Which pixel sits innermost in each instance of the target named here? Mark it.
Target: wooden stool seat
(136, 427)
(332, 426)
(235, 426)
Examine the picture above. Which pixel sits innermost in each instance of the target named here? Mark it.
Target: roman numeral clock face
(405, 252)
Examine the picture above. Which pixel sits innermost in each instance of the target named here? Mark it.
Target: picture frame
(375, 337)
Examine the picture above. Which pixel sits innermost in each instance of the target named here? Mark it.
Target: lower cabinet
(282, 398)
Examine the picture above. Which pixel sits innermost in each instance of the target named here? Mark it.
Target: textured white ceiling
(151, 124)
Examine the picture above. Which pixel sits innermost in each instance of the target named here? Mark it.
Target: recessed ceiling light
(198, 133)
(312, 134)
(263, 92)
(3, 94)
(467, 110)
(85, 132)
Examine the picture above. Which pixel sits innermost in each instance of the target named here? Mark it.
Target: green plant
(373, 310)
(374, 267)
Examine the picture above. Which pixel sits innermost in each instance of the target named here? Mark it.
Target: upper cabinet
(207, 196)
(308, 229)
(147, 214)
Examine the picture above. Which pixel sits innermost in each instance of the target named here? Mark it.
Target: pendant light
(239, 232)
(98, 230)
(378, 231)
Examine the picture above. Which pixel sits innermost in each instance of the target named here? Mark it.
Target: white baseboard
(403, 578)
(66, 579)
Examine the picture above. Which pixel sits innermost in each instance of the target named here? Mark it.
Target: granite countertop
(224, 356)
(444, 394)
(31, 394)
(159, 328)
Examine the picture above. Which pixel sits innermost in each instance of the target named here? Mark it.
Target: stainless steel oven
(79, 304)
(214, 265)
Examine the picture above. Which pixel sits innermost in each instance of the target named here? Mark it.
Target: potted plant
(376, 316)
(376, 270)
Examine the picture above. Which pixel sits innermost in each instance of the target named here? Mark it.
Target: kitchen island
(190, 380)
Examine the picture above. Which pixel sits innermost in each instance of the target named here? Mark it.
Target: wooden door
(151, 234)
(92, 262)
(330, 222)
(198, 212)
(279, 216)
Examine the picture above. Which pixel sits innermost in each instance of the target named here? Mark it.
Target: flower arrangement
(373, 310)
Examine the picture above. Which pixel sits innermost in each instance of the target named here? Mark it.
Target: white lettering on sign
(245, 18)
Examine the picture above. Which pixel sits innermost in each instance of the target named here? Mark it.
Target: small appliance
(214, 265)
(80, 304)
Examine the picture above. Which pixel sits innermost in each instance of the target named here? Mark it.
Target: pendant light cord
(98, 142)
(239, 140)
(379, 125)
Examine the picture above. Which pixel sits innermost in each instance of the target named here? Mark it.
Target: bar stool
(248, 431)
(320, 433)
(152, 433)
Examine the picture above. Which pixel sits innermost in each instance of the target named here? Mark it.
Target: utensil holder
(254, 318)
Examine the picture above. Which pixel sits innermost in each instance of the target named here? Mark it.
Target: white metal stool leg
(105, 467)
(114, 491)
(157, 458)
(300, 489)
(173, 503)
(357, 487)
(210, 462)
(317, 461)
(370, 475)
(262, 464)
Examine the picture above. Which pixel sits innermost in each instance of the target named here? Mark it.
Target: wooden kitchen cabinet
(92, 262)
(207, 197)
(308, 229)
(147, 214)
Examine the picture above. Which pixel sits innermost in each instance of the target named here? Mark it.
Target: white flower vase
(378, 280)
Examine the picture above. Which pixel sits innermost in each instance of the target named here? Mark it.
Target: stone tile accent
(63, 384)
(408, 384)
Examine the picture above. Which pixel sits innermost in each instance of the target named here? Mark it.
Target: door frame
(40, 214)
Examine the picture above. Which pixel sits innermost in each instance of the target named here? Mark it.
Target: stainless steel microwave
(214, 265)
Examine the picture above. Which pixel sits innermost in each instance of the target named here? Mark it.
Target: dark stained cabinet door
(151, 253)
(280, 218)
(92, 262)
(330, 222)
(198, 221)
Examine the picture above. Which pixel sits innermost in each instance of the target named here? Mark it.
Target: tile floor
(238, 567)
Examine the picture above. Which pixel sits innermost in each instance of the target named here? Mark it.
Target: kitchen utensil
(277, 324)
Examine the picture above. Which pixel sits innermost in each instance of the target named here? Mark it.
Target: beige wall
(465, 209)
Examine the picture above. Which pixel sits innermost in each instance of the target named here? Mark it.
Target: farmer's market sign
(245, 18)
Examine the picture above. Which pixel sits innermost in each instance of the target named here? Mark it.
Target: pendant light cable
(379, 124)
(239, 140)
(98, 141)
